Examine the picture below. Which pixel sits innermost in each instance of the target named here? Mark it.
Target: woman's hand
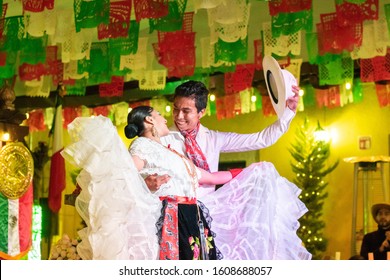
(155, 181)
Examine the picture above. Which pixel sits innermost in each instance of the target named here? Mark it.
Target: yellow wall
(349, 122)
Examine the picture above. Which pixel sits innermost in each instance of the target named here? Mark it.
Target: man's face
(383, 218)
(185, 115)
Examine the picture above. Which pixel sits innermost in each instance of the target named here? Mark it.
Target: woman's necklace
(189, 165)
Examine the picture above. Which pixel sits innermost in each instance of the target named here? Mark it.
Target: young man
(203, 145)
(255, 215)
(378, 242)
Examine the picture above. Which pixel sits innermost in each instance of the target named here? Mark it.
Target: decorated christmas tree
(311, 152)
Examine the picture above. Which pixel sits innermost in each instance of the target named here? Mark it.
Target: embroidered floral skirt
(179, 231)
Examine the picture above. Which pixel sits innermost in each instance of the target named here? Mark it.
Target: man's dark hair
(194, 90)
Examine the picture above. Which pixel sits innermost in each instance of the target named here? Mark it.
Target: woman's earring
(154, 132)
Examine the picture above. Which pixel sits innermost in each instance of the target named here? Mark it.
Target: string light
(321, 135)
(348, 85)
(301, 92)
(168, 108)
(5, 137)
(253, 98)
(212, 97)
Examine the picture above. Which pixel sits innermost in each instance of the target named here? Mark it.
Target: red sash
(169, 247)
(193, 150)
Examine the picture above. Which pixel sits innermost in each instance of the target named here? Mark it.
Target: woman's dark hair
(194, 90)
(135, 121)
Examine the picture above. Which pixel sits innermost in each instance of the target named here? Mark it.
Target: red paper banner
(118, 26)
(70, 113)
(3, 58)
(329, 97)
(288, 6)
(239, 80)
(29, 72)
(232, 105)
(101, 110)
(220, 105)
(335, 38)
(375, 69)
(351, 13)
(383, 94)
(144, 9)
(268, 109)
(36, 121)
(176, 50)
(115, 88)
(37, 6)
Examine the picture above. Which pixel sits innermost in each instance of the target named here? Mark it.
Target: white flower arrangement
(65, 249)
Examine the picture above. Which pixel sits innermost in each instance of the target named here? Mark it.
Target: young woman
(183, 230)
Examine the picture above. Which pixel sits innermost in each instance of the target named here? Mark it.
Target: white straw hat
(279, 84)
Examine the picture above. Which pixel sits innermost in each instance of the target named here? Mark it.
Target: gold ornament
(17, 167)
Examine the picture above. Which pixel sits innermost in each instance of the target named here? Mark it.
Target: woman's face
(160, 123)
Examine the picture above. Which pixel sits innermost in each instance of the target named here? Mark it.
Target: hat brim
(278, 84)
(376, 207)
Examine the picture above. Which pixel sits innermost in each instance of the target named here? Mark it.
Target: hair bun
(131, 130)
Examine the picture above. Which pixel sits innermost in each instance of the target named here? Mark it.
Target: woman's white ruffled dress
(254, 216)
